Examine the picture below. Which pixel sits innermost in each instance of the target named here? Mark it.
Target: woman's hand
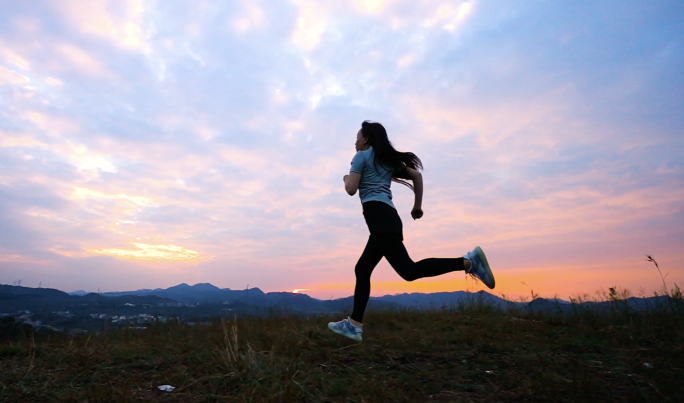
(416, 213)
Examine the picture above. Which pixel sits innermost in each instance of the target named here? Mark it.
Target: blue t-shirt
(375, 183)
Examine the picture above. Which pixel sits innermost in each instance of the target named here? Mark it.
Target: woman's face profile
(361, 142)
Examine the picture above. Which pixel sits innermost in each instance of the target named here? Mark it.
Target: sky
(145, 144)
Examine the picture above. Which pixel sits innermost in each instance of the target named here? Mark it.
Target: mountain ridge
(206, 293)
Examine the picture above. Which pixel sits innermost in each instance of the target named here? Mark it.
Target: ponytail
(387, 156)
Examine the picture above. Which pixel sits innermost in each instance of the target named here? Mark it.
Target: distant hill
(208, 293)
(14, 298)
(19, 293)
(17, 298)
(198, 293)
(439, 299)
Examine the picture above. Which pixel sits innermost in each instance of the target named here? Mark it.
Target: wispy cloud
(152, 252)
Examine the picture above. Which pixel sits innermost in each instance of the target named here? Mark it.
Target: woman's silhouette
(374, 167)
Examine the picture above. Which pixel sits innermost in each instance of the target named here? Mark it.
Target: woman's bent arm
(417, 179)
(351, 183)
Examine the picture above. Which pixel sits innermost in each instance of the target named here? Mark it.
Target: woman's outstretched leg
(364, 268)
(395, 252)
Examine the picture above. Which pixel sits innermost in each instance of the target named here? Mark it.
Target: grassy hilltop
(467, 353)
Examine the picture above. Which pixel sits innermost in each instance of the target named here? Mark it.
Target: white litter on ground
(166, 388)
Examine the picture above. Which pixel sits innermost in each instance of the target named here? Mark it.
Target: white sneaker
(346, 329)
(479, 268)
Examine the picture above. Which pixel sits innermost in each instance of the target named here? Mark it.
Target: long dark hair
(387, 156)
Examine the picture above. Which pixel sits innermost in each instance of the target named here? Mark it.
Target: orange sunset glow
(146, 144)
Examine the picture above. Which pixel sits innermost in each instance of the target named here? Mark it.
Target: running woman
(373, 168)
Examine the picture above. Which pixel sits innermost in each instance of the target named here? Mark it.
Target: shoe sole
(344, 334)
(483, 259)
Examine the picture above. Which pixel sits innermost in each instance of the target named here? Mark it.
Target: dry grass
(470, 353)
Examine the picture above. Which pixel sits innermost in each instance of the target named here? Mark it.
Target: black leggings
(390, 245)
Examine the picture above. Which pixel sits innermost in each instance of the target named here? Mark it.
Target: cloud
(10, 140)
(13, 58)
(82, 60)
(83, 193)
(83, 158)
(449, 16)
(8, 76)
(311, 24)
(371, 6)
(152, 252)
(52, 125)
(119, 21)
(251, 17)
(55, 82)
